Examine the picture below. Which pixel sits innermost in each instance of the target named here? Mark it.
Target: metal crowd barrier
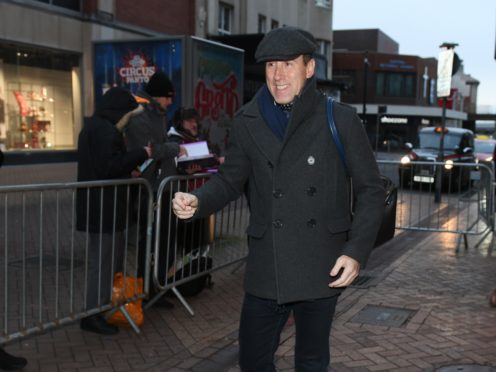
(44, 259)
(462, 204)
(185, 252)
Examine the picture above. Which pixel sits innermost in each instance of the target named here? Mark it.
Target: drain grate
(383, 316)
(49, 263)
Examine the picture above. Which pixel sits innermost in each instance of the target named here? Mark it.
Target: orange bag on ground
(124, 288)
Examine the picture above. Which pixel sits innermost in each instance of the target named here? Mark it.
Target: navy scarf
(276, 119)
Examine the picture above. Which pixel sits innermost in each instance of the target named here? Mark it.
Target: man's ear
(310, 68)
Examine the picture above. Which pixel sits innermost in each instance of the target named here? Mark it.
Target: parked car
(485, 150)
(458, 148)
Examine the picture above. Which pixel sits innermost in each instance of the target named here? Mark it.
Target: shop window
(394, 84)
(225, 19)
(40, 97)
(347, 78)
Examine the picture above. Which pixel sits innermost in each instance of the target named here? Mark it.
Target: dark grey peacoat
(298, 192)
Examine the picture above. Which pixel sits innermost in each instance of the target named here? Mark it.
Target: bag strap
(339, 147)
(334, 131)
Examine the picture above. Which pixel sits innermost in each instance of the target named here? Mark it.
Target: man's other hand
(349, 268)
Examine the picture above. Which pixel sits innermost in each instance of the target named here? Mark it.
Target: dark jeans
(262, 322)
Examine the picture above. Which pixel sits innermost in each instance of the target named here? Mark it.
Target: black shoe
(98, 325)
(11, 363)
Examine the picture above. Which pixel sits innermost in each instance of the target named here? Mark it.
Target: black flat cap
(283, 44)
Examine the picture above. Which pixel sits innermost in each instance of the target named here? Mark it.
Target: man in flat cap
(304, 248)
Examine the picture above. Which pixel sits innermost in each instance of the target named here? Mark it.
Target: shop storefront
(40, 98)
(390, 132)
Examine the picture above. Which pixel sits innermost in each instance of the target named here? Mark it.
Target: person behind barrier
(102, 155)
(150, 126)
(186, 129)
(304, 248)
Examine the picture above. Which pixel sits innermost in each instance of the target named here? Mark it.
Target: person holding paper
(186, 132)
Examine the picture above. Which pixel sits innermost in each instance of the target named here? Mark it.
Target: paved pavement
(421, 305)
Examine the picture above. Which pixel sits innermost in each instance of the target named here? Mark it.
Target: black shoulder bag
(386, 231)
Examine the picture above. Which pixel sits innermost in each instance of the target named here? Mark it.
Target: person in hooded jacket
(102, 155)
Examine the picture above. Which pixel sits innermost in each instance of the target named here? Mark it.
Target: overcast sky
(420, 26)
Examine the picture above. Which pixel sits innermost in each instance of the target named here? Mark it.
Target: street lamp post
(365, 79)
(445, 71)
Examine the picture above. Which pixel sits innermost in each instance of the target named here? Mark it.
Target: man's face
(285, 79)
(164, 102)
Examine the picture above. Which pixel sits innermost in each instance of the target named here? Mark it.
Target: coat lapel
(267, 142)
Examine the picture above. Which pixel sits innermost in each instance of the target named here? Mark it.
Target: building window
(262, 24)
(274, 24)
(39, 98)
(225, 19)
(323, 3)
(395, 84)
(324, 47)
(347, 78)
(67, 4)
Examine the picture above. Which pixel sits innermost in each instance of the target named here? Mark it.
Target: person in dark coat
(150, 126)
(304, 247)
(102, 155)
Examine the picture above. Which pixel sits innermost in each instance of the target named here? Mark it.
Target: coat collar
(303, 107)
(262, 135)
(265, 139)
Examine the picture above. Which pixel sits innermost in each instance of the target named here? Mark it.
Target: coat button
(277, 193)
(277, 224)
(311, 191)
(311, 223)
